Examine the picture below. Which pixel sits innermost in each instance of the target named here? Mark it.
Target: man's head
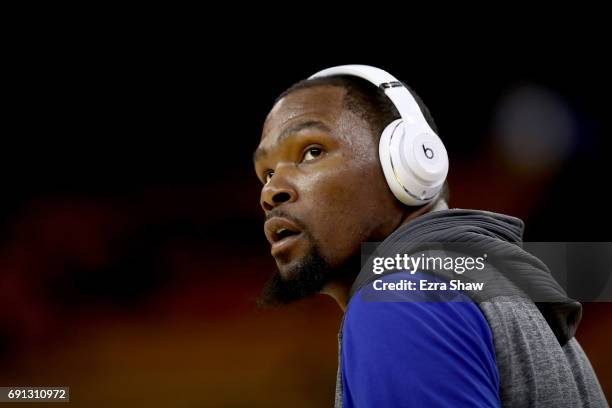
(324, 189)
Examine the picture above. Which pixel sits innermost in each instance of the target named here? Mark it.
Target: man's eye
(268, 177)
(312, 153)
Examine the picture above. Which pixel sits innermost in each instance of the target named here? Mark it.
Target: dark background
(131, 243)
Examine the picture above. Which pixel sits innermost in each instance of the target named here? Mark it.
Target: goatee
(305, 279)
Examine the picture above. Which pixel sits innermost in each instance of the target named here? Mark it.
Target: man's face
(324, 192)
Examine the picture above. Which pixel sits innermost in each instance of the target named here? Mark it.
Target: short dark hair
(369, 102)
(364, 99)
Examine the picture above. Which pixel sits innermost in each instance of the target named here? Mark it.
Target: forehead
(320, 103)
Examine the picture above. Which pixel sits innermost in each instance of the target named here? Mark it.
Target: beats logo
(428, 152)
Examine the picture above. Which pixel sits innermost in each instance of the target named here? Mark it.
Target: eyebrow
(310, 124)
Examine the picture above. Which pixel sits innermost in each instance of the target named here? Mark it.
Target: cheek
(348, 204)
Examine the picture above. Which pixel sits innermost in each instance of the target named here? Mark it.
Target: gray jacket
(540, 362)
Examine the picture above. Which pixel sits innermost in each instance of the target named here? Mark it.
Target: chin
(292, 261)
(289, 269)
(297, 279)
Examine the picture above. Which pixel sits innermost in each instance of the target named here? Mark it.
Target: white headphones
(413, 158)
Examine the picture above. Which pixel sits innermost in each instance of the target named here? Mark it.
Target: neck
(340, 289)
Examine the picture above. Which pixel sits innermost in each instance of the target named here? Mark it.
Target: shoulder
(397, 311)
(434, 348)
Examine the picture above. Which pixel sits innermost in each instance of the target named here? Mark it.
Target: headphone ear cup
(414, 162)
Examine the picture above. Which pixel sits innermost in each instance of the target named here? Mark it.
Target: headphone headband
(401, 97)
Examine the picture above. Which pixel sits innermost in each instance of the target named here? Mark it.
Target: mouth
(281, 234)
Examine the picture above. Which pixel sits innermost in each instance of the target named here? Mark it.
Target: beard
(305, 279)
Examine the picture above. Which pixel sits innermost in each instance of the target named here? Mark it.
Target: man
(325, 193)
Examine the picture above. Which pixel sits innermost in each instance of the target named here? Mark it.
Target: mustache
(284, 214)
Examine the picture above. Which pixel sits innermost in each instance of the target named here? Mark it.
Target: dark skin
(319, 165)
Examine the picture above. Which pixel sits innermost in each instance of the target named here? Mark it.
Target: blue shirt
(417, 353)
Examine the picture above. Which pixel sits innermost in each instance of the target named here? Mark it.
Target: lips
(281, 233)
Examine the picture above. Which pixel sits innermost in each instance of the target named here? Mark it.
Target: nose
(276, 192)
